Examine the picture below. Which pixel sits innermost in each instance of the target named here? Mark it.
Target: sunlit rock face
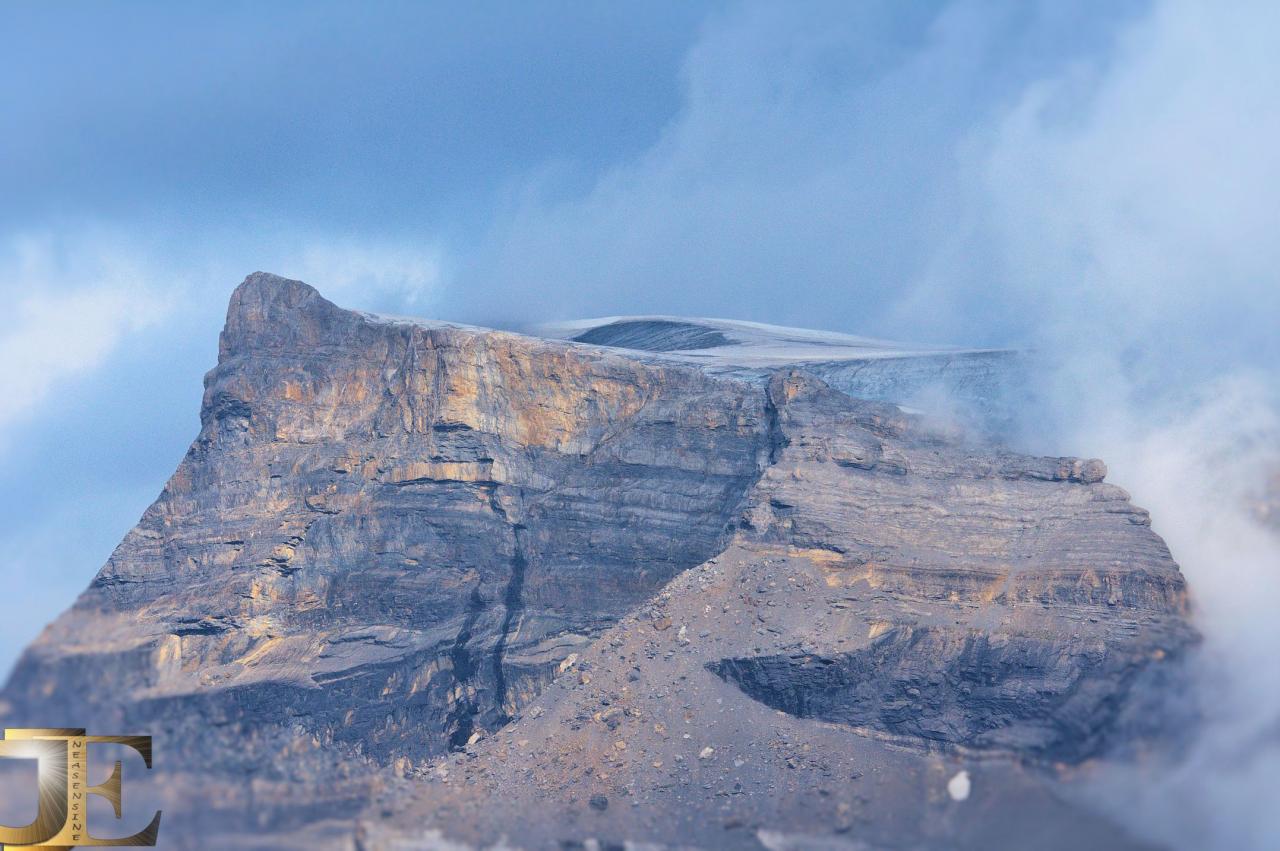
(391, 536)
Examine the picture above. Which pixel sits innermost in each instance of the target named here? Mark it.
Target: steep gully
(461, 721)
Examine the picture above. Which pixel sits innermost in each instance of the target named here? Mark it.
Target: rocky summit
(639, 582)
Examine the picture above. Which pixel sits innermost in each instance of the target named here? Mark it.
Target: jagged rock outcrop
(391, 536)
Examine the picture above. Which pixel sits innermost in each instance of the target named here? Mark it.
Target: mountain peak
(267, 308)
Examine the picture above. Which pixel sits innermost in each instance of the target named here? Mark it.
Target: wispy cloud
(1124, 211)
(401, 272)
(1129, 199)
(70, 307)
(807, 178)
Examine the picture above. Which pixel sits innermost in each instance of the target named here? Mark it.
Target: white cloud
(70, 306)
(401, 271)
(1132, 199)
(1124, 214)
(1199, 474)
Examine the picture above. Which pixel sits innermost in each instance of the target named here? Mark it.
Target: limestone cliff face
(390, 536)
(397, 531)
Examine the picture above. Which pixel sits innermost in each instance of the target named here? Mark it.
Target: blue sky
(1095, 180)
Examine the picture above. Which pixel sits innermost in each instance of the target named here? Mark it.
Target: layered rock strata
(391, 536)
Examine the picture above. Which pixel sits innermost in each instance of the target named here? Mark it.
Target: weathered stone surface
(942, 607)
(391, 536)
